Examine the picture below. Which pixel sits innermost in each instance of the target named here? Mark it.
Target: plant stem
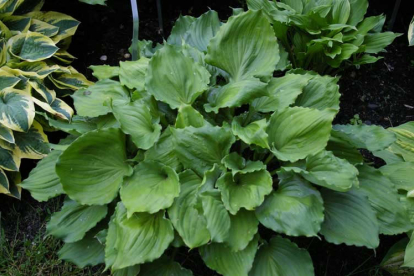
(135, 18)
(269, 158)
(160, 23)
(272, 173)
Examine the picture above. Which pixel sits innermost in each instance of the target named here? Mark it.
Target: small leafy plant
(34, 72)
(196, 144)
(321, 35)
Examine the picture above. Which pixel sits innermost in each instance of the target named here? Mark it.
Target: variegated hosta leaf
(404, 145)
(135, 119)
(349, 219)
(235, 94)
(32, 144)
(43, 182)
(72, 222)
(187, 219)
(164, 267)
(188, 116)
(102, 72)
(245, 47)
(163, 151)
(92, 168)
(12, 181)
(152, 187)
(282, 91)
(281, 257)
(227, 262)
(88, 251)
(253, 133)
(320, 93)
(238, 165)
(201, 148)
(373, 138)
(7, 80)
(132, 73)
(38, 87)
(16, 23)
(67, 25)
(57, 108)
(140, 239)
(297, 132)
(326, 170)
(73, 81)
(174, 78)
(9, 159)
(244, 190)
(6, 134)
(401, 174)
(295, 209)
(33, 70)
(243, 228)
(44, 28)
(216, 215)
(95, 100)
(4, 182)
(32, 46)
(202, 30)
(180, 28)
(16, 110)
(382, 194)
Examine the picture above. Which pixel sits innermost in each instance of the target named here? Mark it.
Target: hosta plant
(34, 73)
(197, 145)
(322, 35)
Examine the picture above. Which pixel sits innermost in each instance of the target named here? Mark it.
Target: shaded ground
(382, 93)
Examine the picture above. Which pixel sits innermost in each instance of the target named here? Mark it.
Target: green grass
(23, 253)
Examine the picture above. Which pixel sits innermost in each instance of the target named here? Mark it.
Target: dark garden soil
(382, 93)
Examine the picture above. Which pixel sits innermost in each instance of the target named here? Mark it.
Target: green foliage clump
(321, 35)
(197, 144)
(34, 73)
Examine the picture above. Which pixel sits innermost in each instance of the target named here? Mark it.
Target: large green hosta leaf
(376, 42)
(92, 168)
(243, 228)
(297, 132)
(32, 46)
(216, 215)
(392, 217)
(341, 148)
(132, 73)
(281, 257)
(135, 119)
(373, 138)
(295, 209)
(201, 148)
(95, 100)
(202, 30)
(16, 110)
(43, 182)
(142, 238)
(327, 170)
(235, 94)
(151, 188)
(74, 220)
(244, 190)
(180, 28)
(187, 219)
(253, 133)
(163, 151)
(349, 219)
(174, 78)
(164, 267)
(401, 174)
(237, 164)
(88, 251)
(404, 145)
(283, 92)
(189, 116)
(245, 47)
(227, 262)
